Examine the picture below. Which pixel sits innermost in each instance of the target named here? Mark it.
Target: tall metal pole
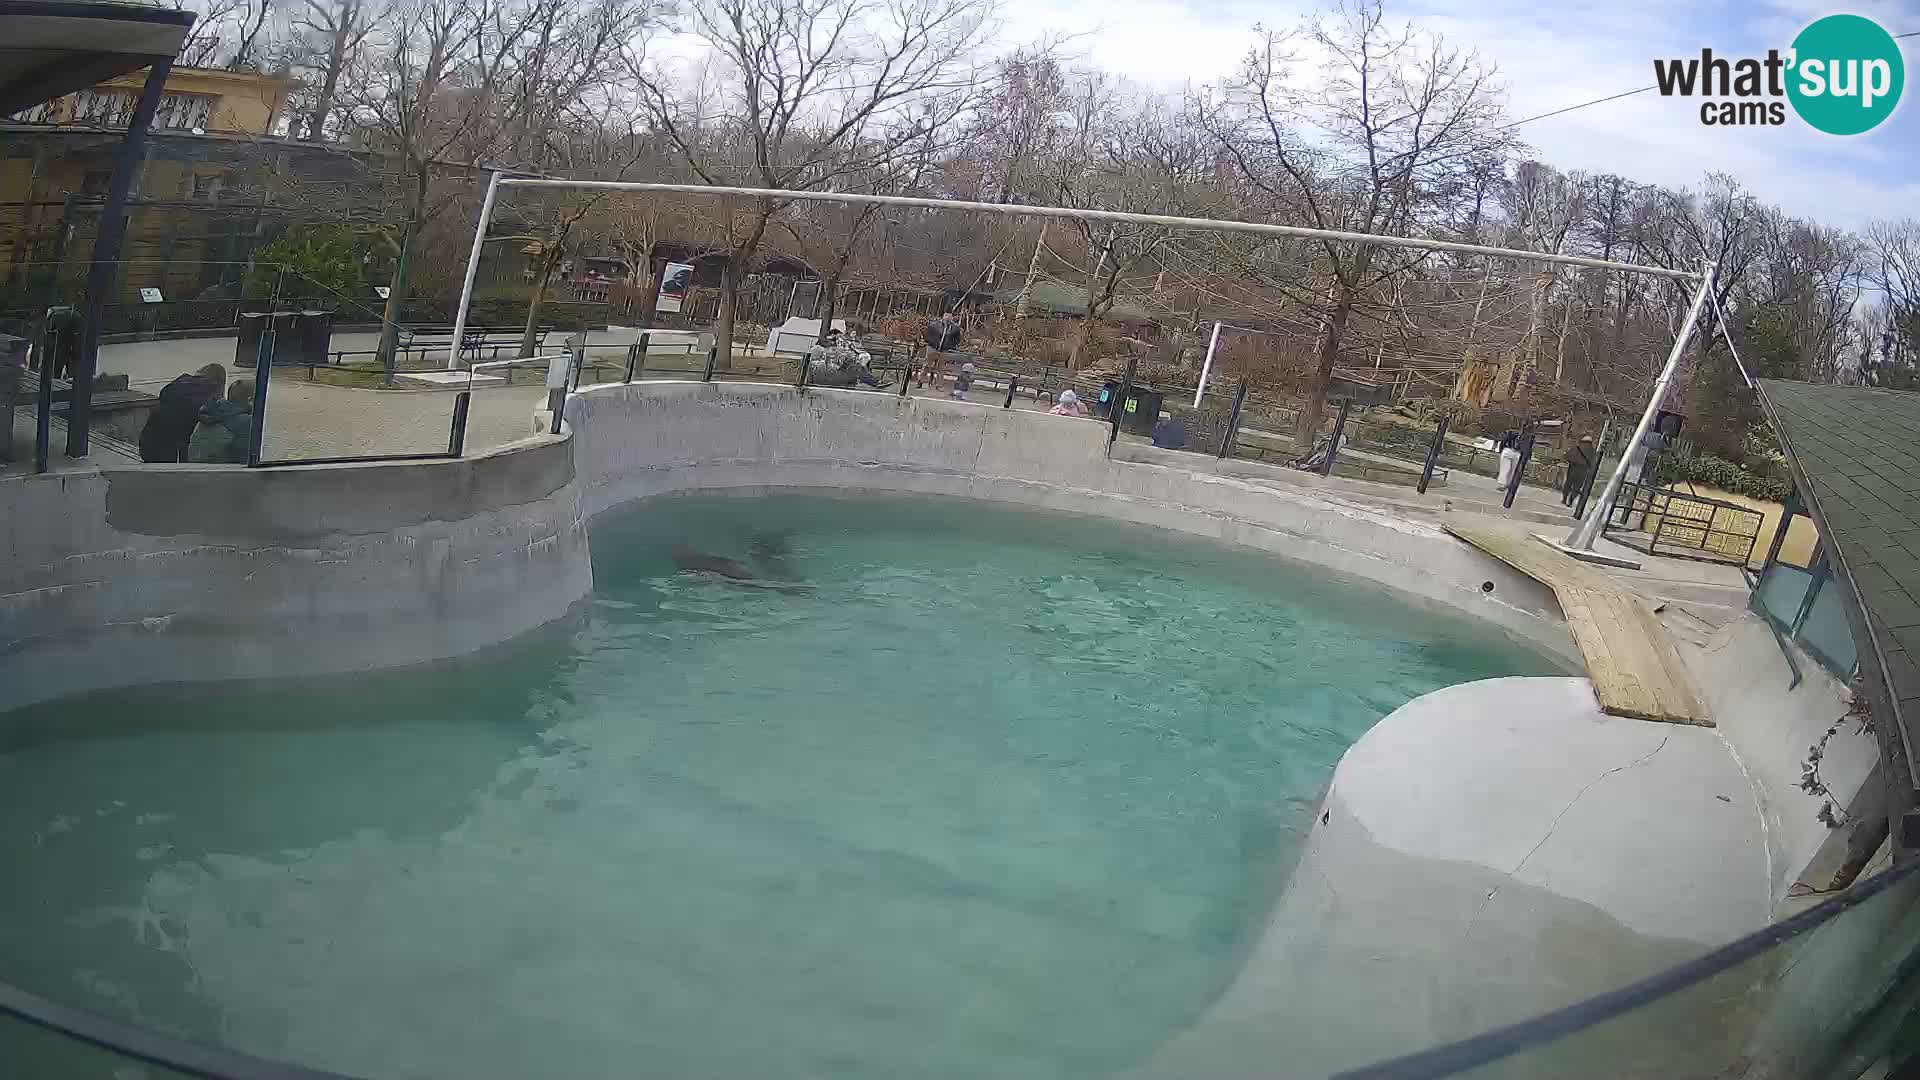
(1232, 434)
(473, 271)
(105, 259)
(1433, 453)
(1206, 366)
(1585, 534)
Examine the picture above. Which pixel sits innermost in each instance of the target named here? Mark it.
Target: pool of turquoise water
(975, 792)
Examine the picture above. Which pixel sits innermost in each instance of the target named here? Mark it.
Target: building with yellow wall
(201, 199)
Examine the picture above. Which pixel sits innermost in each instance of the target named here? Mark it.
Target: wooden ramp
(1630, 660)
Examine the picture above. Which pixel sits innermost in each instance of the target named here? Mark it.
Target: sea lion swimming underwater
(739, 573)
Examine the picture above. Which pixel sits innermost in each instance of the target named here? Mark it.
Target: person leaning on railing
(225, 428)
(834, 362)
(169, 427)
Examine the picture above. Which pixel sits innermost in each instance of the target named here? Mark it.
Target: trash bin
(315, 337)
(247, 346)
(1141, 410)
(286, 338)
(1105, 401)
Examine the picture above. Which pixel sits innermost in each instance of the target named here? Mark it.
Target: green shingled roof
(1858, 449)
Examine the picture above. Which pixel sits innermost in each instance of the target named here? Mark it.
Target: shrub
(315, 263)
(1684, 462)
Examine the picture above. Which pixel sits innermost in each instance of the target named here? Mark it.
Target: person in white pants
(1509, 458)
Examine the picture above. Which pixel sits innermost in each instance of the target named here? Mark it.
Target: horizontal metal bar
(521, 360)
(437, 455)
(150, 1047)
(1459, 1058)
(1259, 228)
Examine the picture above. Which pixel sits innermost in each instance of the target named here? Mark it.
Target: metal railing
(1878, 994)
(1661, 521)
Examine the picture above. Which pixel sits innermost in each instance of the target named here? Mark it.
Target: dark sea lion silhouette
(732, 570)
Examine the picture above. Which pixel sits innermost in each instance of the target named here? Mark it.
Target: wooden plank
(1630, 661)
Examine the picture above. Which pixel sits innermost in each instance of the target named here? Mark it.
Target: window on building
(94, 182)
(103, 108)
(183, 112)
(42, 113)
(206, 186)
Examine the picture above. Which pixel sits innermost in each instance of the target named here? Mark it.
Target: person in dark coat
(170, 425)
(1579, 466)
(943, 336)
(225, 427)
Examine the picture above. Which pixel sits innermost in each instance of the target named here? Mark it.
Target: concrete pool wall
(138, 574)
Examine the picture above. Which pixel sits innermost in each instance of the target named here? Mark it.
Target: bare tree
(454, 83)
(1370, 146)
(334, 32)
(588, 145)
(1019, 129)
(1543, 204)
(839, 231)
(1132, 155)
(816, 92)
(206, 41)
(1893, 267)
(1893, 262)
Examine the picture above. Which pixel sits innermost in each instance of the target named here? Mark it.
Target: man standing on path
(1579, 465)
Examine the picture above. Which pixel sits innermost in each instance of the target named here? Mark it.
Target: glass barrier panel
(1826, 1003)
(1826, 632)
(1781, 592)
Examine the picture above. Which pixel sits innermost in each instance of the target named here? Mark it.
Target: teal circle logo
(1847, 74)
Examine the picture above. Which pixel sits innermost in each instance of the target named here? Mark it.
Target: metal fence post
(1119, 403)
(1333, 441)
(557, 365)
(806, 369)
(1013, 384)
(43, 406)
(1233, 421)
(906, 375)
(713, 357)
(457, 439)
(640, 357)
(1519, 470)
(1788, 507)
(262, 372)
(1433, 453)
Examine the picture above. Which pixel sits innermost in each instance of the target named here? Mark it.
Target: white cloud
(1553, 55)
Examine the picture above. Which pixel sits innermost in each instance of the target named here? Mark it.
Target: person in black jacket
(943, 336)
(169, 426)
(1580, 462)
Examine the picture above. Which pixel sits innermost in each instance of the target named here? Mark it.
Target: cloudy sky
(1555, 54)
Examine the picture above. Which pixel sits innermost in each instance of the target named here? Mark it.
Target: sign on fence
(675, 282)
